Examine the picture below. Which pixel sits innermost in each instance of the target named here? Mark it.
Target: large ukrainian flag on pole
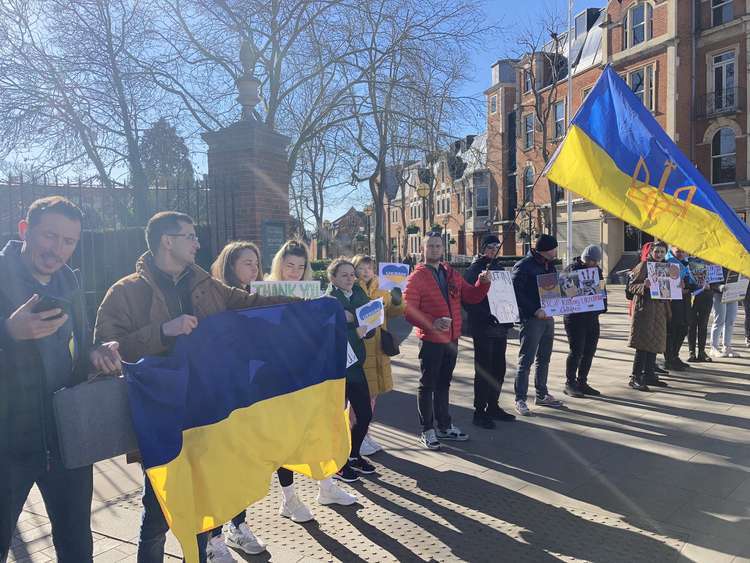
(246, 393)
(617, 156)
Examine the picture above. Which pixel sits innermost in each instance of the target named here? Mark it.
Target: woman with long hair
(377, 364)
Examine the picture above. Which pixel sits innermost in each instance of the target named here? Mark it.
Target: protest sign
(502, 297)
(351, 357)
(735, 288)
(705, 273)
(715, 274)
(372, 314)
(301, 289)
(565, 293)
(665, 280)
(392, 275)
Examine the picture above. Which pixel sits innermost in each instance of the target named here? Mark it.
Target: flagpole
(569, 104)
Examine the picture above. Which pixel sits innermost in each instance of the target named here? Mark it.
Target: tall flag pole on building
(619, 158)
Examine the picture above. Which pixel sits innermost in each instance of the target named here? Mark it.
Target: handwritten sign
(301, 289)
(372, 314)
(393, 275)
(502, 297)
(567, 293)
(665, 280)
(735, 289)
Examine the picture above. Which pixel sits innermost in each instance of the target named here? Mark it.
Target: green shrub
(319, 265)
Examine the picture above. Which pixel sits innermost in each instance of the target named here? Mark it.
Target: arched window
(723, 157)
(528, 184)
(637, 24)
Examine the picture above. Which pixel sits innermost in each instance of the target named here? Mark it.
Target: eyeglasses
(191, 237)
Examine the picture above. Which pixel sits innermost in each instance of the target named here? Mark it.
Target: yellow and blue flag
(245, 393)
(617, 156)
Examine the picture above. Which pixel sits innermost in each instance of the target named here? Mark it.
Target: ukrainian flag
(617, 156)
(244, 394)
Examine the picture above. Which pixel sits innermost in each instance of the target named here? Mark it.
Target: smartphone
(47, 303)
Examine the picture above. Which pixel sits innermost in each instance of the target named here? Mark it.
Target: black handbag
(388, 343)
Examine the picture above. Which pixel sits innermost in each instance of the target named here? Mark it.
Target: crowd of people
(46, 344)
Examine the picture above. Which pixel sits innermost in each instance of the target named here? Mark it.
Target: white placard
(351, 357)
(502, 297)
(393, 274)
(665, 280)
(301, 289)
(372, 314)
(735, 289)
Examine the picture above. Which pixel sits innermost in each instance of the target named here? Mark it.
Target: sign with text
(351, 357)
(735, 289)
(705, 273)
(372, 314)
(665, 280)
(502, 297)
(393, 275)
(567, 293)
(301, 289)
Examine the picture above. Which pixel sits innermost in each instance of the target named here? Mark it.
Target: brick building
(681, 57)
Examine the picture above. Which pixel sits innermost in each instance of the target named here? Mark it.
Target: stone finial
(247, 84)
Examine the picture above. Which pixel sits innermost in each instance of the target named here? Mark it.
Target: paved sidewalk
(663, 476)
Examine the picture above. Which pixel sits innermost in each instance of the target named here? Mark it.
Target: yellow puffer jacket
(377, 364)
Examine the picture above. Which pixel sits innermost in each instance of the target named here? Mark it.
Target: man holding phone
(44, 346)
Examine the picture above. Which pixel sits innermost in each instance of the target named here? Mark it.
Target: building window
(528, 184)
(724, 81)
(482, 198)
(528, 128)
(641, 82)
(586, 92)
(721, 11)
(559, 110)
(527, 81)
(638, 24)
(723, 157)
(493, 104)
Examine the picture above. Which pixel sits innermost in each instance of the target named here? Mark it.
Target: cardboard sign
(735, 289)
(372, 314)
(301, 289)
(502, 297)
(705, 273)
(392, 275)
(351, 357)
(665, 280)
(567, 293)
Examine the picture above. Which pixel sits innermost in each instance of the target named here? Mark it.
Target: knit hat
(545, 242)
(593, 253)
(489, 239)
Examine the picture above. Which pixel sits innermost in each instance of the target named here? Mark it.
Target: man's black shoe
(586, 389)
(501, 415)
(361, 465)
(571, 390)
(483, 421)
(655, 381)
(637, 385)
(675, 366)
(347, 475)
(661, 371)
(693, 358)
(680, 364)
(703, 357)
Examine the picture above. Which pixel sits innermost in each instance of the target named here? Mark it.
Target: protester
(747, 316)
(42, 349)
(433, 297)
(725, 314)
(648, 327)
(490, 342)
(145, 312)
(292, 263)
(537, 329)
(583, 332)
(678, 326)
(377, 364)
(699, 315)
(342, 277)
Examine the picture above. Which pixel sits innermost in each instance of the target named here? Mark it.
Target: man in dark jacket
(42, 351)
(490, 342)
(700, 312)
(583, 333)
(678, 326)
(537, 329)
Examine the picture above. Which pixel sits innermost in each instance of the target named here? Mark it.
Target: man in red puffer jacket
(433, 305)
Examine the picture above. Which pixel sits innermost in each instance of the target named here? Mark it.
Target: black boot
(586, 389)
(636, 382)
(571, 390)
(693, 358)
(703, 357)
(483, 421)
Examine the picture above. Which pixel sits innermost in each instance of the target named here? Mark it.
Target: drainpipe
(692, 80)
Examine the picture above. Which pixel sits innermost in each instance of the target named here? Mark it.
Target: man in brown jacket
(146, 311)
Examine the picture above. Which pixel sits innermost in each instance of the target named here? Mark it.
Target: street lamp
(327, 236)
(423, 190)
(368, 214)
(447, 240)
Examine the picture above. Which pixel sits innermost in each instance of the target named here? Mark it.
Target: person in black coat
(583, 333)
(490, 342)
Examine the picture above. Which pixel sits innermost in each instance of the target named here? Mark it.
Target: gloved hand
(396, 296)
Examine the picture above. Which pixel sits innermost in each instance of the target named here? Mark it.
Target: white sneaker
(429, 440)
(716, 353)
(333, 494)
(369, 446)
(295, 510)
(730, 353)
(548, 401)
(522, 408)
(217, 552)
(243, 539)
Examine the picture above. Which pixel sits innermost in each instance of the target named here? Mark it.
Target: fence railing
(727, 100)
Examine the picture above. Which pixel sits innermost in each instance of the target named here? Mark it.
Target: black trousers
(583, 337)
(644, 364)
(677, 328)
(489, 372)
(67, 496)
(700, 313)
(747, 316)
(436, 361)
(358, 395)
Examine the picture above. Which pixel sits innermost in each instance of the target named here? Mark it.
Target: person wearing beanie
(700, 312)
(679, 322)
(537, 329)
(583, 332)
(490, 343)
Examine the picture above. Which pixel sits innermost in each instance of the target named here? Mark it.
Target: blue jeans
(237, 520)
(67, 497)
(154, 530)
(724, 316)
(537, 337)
